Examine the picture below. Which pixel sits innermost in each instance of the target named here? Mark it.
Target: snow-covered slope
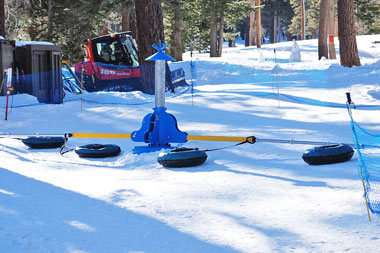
(249, 198)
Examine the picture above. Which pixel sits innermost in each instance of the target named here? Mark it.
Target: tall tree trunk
(331, 19)
(303, 32)
(220, 42)
(2, 19)
(252, 25)
(176, 48)
(50, 20)
(331, 29)
(213, 34)
(348, 49)
(231, 43)
(275, 23)
(322, 40)
(148, 18)
(258, 25)
(246, 32)
(278, 29)
(128, 20)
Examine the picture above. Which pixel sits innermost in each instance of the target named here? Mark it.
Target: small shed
(38, 71)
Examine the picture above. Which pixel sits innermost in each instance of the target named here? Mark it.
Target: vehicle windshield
(110, 52)
(131, 49)
(116, 50)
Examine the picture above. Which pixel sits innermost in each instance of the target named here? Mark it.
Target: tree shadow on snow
(39, 217)
(268, 161)
(15, 152)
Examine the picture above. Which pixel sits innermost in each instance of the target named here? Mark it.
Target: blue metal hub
(159, 129)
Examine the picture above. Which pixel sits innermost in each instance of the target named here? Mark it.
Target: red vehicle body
(111, 64)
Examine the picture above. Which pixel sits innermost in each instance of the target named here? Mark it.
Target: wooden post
(332, 53)
(258, 24)
(331, 29)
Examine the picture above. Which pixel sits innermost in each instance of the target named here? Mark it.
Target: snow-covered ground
(249, 198)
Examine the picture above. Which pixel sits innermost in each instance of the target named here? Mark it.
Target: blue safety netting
(368, 150)
(51, 86)
(46, 86)
(98, 76)
(270, 82)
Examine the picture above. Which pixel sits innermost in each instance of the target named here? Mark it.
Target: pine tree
(173, 21)
(72, 22)
(236, 13)
(16, 19)
(150, 29)
(196, 20)
(2, 19)
(196, 17)
(219, 13)
(368, 13)
(323, 25)
(312, 17)
(348, 49)
(128, 18)
(273, 12)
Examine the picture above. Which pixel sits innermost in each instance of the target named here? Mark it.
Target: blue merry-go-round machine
(159, 128)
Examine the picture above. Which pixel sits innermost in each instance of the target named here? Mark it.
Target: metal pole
(6, 110)
(159, 79)
(206, 138)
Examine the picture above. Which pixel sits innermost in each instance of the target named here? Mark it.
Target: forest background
(187, 23)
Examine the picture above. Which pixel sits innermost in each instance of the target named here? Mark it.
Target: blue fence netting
(273, 81)
(97, 76)
(50, 87)
(368, 150)
(45, 86)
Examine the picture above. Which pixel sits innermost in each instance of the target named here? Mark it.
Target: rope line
(249, 139)
(101, 103)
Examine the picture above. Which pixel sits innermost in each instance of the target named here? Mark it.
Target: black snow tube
(328, 154)
(98, 150)
(44, 141)
(182, 157)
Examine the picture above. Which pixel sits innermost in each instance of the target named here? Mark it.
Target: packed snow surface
(248, 198)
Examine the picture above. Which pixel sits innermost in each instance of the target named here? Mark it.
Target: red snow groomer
(112, 64)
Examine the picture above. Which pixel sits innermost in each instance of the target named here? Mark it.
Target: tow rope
(64, 145)
(249, 139)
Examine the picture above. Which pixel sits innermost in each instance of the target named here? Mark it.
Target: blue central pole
(159, 128)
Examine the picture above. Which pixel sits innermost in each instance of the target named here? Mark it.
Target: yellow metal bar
(101, 135)
(215, 138)
(189, 137)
